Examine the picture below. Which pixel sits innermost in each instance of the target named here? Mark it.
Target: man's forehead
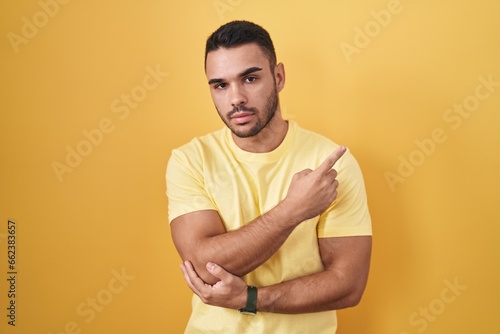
(234, 60)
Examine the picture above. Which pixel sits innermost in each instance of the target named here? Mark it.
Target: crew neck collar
(266, 156)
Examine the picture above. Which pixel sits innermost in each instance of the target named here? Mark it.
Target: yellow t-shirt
(213, 173)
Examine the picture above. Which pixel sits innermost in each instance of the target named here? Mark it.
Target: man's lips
(242, 116)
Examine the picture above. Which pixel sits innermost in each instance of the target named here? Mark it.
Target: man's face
(243, 88)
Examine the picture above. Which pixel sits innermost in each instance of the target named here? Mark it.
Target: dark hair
(237, 33)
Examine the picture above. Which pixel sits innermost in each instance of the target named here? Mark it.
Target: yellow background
(76, 232)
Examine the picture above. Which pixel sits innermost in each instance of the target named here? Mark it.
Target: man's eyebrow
(250, 70)
(242, 74)
(212, 81)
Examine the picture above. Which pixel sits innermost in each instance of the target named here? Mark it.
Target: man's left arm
(340, 285)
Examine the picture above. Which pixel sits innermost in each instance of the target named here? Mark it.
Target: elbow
(200, 266)
(199, 262)
(353, 300)
(354, 297)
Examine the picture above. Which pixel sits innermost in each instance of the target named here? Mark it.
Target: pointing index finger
(331, 159)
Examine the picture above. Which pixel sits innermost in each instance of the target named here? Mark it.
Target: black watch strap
(250, 308)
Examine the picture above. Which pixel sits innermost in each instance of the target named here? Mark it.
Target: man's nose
(238, 96)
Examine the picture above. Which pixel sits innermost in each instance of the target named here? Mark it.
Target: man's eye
(220, 86)
(250, 79)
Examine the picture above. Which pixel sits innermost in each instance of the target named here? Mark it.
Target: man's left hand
(229, 292)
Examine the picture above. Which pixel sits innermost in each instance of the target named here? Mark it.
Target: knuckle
(206, 296)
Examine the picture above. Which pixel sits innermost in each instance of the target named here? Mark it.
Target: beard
(269, 112)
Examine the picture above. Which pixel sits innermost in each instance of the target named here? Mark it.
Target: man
(262, 221)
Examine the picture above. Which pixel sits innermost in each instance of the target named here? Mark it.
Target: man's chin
(245, 131)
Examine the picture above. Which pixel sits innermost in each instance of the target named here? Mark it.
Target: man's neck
(266, 140)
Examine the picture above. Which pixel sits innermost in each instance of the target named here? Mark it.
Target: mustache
(240, 108)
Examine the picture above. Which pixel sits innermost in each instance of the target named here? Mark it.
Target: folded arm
(200, 237)
(340, 285)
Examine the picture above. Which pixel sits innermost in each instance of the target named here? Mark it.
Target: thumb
(217, 271)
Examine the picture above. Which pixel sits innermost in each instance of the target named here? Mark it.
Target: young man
(264, 224)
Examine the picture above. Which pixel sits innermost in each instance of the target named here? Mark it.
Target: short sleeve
(186, 191)
(348, 215)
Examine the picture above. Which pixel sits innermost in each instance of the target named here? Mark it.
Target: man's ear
(279, 76)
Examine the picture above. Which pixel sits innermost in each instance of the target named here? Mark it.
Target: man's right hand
(312, 191)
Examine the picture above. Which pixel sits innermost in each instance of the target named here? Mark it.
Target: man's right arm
(200, 236)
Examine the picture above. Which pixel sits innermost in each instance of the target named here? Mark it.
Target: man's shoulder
(308, 137)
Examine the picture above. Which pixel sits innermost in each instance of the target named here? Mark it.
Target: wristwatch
(250, 308)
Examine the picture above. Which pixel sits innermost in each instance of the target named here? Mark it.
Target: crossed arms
(214, 259)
